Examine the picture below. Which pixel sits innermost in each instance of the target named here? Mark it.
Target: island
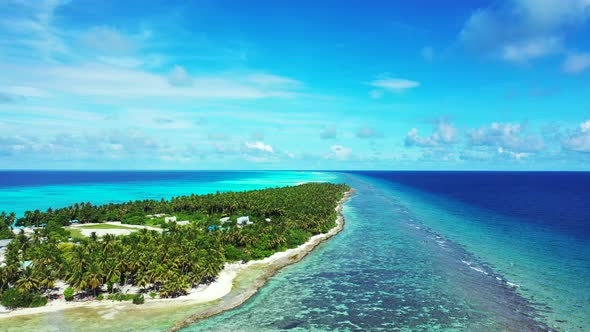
(152, 250)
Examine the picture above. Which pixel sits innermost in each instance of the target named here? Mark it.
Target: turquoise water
(409, 259)
(21, 191)
(549, 268)
(388, 270)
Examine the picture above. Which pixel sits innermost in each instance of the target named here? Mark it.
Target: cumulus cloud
(13, 145)
(260, 146)
(505, 136)
(414, 139)
(444, 133)
(522, 30)
(576, 63)
(179, 77)
(339, 152)
(115, 144)
(512, 154)
(329, 133)
(579, 140)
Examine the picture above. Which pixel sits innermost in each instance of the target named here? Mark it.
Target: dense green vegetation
(169, 262)
(6, 221)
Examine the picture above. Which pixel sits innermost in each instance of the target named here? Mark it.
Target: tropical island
(167, 247)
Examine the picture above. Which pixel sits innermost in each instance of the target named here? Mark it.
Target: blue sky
(295, 84)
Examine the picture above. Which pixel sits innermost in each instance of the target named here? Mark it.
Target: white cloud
(264, 79)
(444, 133)
(26, 91)
(394, 84)
(179, 77)
(522, 30)
(414, 139)
(339, 152)
(552, 14)
(66, 146)
(579, 140)
(30, 25)
(260, 146)
(507, 136)
(100, 80)
(523, 51)
(576, 63)
(512, 154)
(107, 40)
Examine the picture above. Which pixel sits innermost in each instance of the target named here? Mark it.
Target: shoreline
(218, 290)
(274, 263)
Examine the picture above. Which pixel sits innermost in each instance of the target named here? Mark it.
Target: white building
(224, 219)
(170, 219)
(267, 219)
(183, 222)
(243, 220)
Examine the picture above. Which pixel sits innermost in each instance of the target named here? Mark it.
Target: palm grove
(166, 263)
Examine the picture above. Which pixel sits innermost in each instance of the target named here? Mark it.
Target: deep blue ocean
(421, 251)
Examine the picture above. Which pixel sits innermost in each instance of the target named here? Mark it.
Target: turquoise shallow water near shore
(386, 271)
(412, 256)
(21, 191)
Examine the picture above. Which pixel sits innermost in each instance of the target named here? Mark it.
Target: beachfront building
(170, 219)
(243, 220)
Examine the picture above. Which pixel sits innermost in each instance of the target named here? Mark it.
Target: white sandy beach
(87, 230)
(202, 294)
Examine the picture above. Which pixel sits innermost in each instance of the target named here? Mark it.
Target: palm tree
(28, 280)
